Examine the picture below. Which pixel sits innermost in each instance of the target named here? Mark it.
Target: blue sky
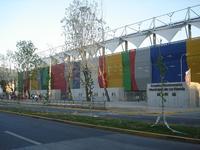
(39, 20)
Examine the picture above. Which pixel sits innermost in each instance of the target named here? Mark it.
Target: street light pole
(181, 65)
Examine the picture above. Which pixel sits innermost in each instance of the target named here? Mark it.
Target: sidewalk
(190, 116)
(125, 108)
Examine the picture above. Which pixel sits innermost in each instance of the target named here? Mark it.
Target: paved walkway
(129, 108)
(189, 116)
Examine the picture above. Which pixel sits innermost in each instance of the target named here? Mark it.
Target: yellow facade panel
(34, 85)
(195, 73)
(114, 70)
(34, 80)
(193, 51)
(193, 58)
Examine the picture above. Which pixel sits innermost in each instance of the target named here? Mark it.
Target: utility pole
(189, 31)
(154, 39)
(126, 45)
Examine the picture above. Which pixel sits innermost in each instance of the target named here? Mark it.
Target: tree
(7, 73)
(3, 74)
(10, 64)
(68, 76)
(68, 67)
(83, 33)
(163, 70)
(26, 59)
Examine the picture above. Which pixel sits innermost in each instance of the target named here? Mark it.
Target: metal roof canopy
(165, 25)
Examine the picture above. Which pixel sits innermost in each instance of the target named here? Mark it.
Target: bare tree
(83, 30)
(5, 67)
(68, 76)
(50, 61)
(4, 74)
(8, 75)
(67, 58)
(2, 67)
(163, 70)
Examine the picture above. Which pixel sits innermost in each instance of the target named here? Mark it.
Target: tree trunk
(104, 81)
(88, 85)
(87, 93)
(27, 86)
(69, 91)
(106, 93)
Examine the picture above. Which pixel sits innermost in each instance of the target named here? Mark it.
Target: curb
(125, 131)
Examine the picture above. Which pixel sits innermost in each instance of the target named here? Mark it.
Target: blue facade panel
(173, 58)
(76, 75)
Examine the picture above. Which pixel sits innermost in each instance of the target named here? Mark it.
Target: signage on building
(167, 87)
(176, 94)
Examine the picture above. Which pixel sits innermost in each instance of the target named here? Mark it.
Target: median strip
(117, 125)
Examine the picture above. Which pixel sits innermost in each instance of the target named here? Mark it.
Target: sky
(39, 20)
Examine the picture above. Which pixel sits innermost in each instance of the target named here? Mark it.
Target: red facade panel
(102, 72)
(57, 77)
(132, 61)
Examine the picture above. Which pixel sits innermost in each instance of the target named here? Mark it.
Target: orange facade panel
(114, 70)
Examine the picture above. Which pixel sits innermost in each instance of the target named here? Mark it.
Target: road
(26, 133)
(186, 118)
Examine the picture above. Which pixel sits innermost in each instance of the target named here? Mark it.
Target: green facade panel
(126, 70)
(44, 78)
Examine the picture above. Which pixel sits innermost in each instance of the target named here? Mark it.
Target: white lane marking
(23, 138)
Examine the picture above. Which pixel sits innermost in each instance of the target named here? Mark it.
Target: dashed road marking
(23, 138)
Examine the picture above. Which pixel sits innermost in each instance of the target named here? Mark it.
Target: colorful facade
(129, 70)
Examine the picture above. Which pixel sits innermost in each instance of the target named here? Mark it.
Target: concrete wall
(54, 95)
(93, 66)
(177, 94)
(116, 94)
(194, 94)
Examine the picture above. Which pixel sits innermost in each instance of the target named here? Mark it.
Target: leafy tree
(25, 57)
(83, 33)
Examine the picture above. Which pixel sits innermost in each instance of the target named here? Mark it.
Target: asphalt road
(26, 133)
(187, 118)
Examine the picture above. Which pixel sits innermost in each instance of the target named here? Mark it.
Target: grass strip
(190, 131)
